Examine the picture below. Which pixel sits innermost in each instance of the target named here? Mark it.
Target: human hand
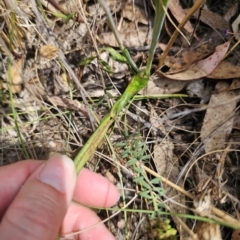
(36, 200)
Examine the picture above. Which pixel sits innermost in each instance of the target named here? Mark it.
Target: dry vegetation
(57, 81)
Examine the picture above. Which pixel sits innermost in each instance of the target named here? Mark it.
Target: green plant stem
(138, 82)
(160, 14)
(112, 25)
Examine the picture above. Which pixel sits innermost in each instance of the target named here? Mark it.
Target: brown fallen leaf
(15, 82)
(235, 28)
(53, 6)
(177, 11)
(199, 89)
(188, 57)
(202, 68)
(214, 20)
(225, 70)
(199, 49)
(157, 85)
(218, 123)
(134, 13)
(235, 84)
(231, 11)
(131, 37)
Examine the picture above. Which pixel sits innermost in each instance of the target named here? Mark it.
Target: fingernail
(56, 171)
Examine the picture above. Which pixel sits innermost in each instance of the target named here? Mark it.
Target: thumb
(40, 206)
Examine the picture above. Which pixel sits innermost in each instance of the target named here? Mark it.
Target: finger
(12, 177)
(95, 190)
(40, 206)
(80, 218)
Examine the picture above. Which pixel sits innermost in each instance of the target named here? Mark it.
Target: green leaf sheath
(93, 142)
(137, 83)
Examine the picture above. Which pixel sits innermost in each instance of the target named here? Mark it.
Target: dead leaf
(225, 70)
(218, 123)
(188, 57)
(202, 68)
(235, 28)
(15, 80)
(49, 51)
(178, 13)
(163, 151)
(231, 12)
(157, 85)
(11, 132)
(114, 6)
(53, 6)
(131, 37)
(134, 13)
(214, 20)
(235, 84)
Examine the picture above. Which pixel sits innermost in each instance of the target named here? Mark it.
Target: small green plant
(135, 150)
(138, 82)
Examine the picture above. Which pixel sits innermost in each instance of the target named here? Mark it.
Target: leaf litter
(194, 138)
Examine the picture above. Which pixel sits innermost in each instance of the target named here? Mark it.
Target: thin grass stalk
(112, 25)
(161, 6)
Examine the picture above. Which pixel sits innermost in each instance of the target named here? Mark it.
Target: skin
(36, 200)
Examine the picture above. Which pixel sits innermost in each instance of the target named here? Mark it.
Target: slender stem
(138, 82)
(125, 52)
(160, 14)
(111, 23)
